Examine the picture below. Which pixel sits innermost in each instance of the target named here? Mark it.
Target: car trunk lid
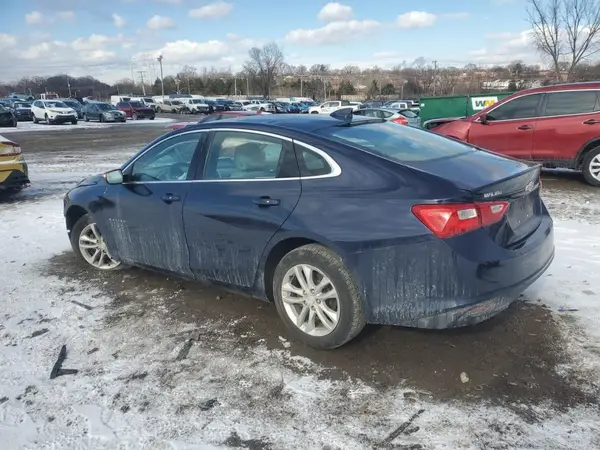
(495, 178)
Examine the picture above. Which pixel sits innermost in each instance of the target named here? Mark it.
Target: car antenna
(344, 114)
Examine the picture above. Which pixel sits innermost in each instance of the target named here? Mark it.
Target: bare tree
(565, 31)
(264, 64)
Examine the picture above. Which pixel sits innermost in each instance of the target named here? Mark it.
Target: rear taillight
(447, 220)
(7, 149)
(400, 120)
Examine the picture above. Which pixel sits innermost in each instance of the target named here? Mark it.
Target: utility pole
(142, 73)
(434, 76)
(131, 68)
(69, 85)
(162, 83)
(234, 86)
(247, 86)
(301, 85)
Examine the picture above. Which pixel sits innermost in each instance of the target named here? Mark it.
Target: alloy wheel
(595, 167)
(310, 300)
(94, 250)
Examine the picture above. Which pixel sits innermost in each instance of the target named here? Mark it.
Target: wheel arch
(277, 250)
(587, 147)
(74, 213)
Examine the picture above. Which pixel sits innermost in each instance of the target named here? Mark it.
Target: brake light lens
(7, 149)
(448, 220)
(401, 120)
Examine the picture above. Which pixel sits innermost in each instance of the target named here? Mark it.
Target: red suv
(136, 110)
(557, 126)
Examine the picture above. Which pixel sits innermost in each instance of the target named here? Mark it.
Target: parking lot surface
(166, 363)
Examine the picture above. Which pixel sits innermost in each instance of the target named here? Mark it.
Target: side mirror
(483, 119)
(114, 177)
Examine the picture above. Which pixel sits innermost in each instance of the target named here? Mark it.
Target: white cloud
(66, 15)
(34, 18)
(416, 19)
(6, 41)
(118, 21)
(335, 12)
(334, 32)
(386, 55)
(160, 23)
(500, 35)
(213, 11)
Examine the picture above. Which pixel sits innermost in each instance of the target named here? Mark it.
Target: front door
(509, 128)
(249, 187)
(146, 227)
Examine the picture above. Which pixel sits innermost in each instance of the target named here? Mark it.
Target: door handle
(591, 122)
(265, 201)
(170, 198)
(525, 127)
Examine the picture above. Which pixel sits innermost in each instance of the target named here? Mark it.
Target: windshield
(72, 104)
(400, 144)
(136, 104)
(197, 101)
(106, 107)
(55, 104)
(22, 105)
(149, 100)
(408, 113)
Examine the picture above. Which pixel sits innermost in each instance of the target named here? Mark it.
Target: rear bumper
(429, 284)
(13, 175)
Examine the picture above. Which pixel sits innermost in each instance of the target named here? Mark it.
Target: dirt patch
(509, 359)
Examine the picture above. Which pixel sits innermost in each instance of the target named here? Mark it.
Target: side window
(520, 108)
(386, 114)
(573, 102)
(372, 113)
(311, 164)
(238, 155)
(169, 160)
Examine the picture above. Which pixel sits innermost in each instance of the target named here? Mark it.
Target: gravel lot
(165, 363)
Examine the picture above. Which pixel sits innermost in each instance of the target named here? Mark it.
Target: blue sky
(99, 37)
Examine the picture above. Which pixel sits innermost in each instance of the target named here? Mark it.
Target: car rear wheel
(134, 116)
(315, 112)
(317, 297)
(591, 167)
(88, 244)
(85, 117)
(101, 118)
(35, 119)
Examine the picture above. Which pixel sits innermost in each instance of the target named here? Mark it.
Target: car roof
(563, 86)
(284, 122)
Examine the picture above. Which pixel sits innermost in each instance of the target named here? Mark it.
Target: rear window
(396, 142)
(408, 113)
(135, 104)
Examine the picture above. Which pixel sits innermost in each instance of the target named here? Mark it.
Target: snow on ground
(132, 391)
(30, 126)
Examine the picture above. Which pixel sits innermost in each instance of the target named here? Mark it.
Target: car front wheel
(89, 245)
(591, 167)
(317, 297)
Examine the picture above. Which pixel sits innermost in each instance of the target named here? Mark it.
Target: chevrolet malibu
(339, 220)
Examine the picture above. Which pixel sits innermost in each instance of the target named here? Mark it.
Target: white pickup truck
(331, 106)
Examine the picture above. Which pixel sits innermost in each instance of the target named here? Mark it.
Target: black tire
(134, 116)
(159, 109)
(352, 317)
(74, 122)
(35, 119)
(47, 119)
(15, 121)
(152, 118)
(314, 112)
(84, 221)
(101, 118)
(85, 117)
(586, 166)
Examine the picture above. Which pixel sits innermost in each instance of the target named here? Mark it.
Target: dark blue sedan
(340, 221)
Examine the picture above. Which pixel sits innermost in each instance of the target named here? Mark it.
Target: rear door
(510, 127)
(570, 120)
(248, 187)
